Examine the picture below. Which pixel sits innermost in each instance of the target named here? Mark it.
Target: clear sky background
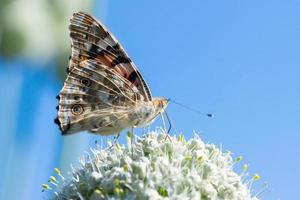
(237, 59)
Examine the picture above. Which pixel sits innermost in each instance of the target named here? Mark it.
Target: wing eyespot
(77, 109)
(86, 82)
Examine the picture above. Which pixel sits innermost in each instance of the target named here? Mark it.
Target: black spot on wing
(132, 77)
(95, 50)
(116, 51)
(119, 60)
(109, 48)
(65, 129)
(117, 46)
(56, 121)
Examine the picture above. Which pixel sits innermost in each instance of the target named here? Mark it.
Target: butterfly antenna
(192, 109)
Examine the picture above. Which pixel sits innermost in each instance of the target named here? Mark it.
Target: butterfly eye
(77, 109)
(86, 82)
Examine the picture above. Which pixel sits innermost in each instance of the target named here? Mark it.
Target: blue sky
(237, 59)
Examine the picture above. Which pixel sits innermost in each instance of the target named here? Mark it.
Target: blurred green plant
(38, 29)
(156, 167)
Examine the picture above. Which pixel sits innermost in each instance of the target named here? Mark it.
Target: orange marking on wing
(105, 59)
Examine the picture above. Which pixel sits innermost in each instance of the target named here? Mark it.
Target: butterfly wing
(91, 40)
(94, 98)
(102, 83)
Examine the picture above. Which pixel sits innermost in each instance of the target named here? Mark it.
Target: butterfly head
(160, 104)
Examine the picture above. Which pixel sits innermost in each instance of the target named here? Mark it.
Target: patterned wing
(93, 98)
(91, 40)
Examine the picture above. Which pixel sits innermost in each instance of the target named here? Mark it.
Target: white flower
(157, 168)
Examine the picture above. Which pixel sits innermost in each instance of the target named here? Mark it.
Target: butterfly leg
(163, 122)
(170, 126)
(116, 137)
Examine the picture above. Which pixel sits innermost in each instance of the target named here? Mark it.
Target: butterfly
(103, 93)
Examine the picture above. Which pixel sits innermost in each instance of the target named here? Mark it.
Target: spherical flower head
(157, 167)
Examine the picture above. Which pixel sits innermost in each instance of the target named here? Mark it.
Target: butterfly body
(140, 115)
(104, 92)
